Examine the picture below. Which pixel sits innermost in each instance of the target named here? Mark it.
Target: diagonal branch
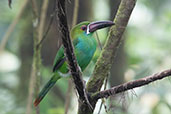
(69, 52)
(132, 84)
(70, 85)
(48, 26)
(106, 59)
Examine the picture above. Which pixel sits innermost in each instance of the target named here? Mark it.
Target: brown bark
(133, 84)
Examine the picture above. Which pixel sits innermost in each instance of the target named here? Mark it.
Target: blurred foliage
(147, 46)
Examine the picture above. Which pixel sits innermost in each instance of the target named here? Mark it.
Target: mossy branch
(109, 51)
(38, 30)
(106, 59)
(35, 72)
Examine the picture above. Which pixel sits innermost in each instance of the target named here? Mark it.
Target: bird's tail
(46, 88)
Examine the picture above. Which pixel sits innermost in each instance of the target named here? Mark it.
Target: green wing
(60, 58)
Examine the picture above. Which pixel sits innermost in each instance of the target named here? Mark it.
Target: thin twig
(68, 96)
(9, 3)
(47, 31)
(42, 19)
(98, 40)
(132, 84)
(31, 91)
(102, 103)
(75, 13)
(105, 84)
(12, 25)
(35, 8)
(106, 80)
(48, 27)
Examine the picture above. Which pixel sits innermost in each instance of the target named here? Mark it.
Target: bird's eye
(84, 27)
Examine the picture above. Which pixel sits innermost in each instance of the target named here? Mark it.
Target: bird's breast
(87, 47)
(84, 51)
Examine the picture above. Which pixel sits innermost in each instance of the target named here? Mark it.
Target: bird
(82, 36)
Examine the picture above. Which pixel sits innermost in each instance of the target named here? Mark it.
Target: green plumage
(84, 48)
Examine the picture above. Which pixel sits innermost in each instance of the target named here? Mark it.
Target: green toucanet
(84, 48)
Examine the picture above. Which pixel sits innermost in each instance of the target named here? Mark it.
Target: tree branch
(75, 13)
(42, 19)
(69, 52)
(106, 59)
(70, 84)
(132, 84)
(9, 3)
(36, 63)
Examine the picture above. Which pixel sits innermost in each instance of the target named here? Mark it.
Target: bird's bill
(98, 25)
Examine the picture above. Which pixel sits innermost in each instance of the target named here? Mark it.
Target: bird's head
(88, 28)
